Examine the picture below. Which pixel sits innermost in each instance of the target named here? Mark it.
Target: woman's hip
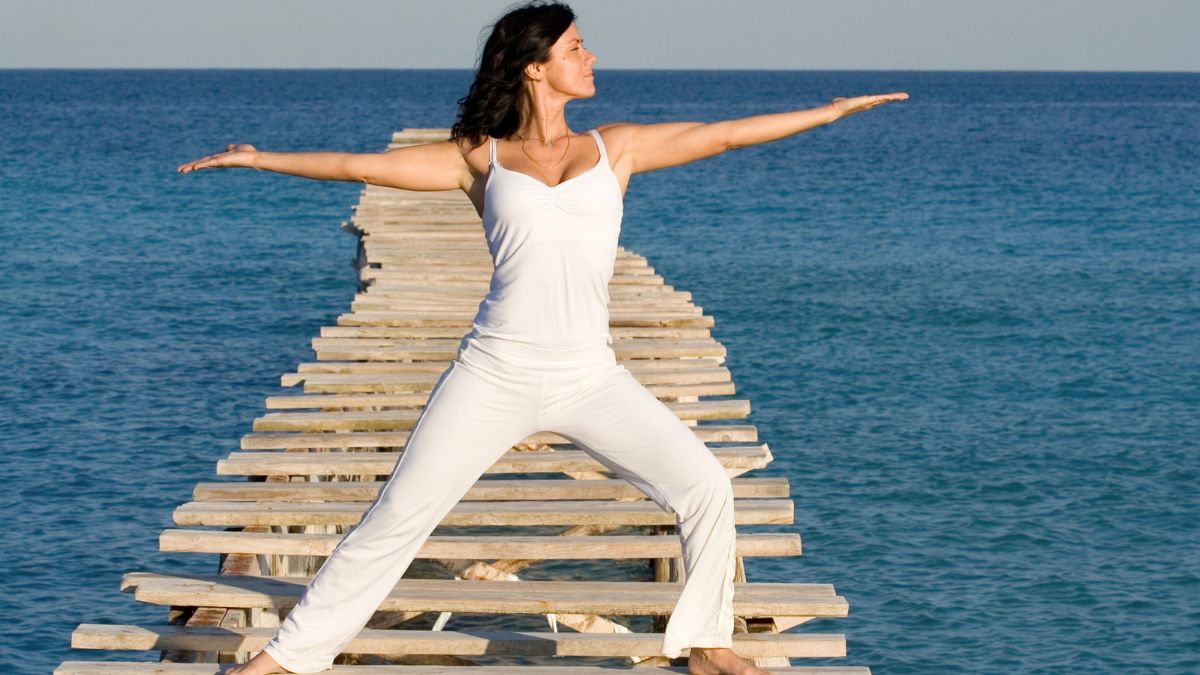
(509, 355)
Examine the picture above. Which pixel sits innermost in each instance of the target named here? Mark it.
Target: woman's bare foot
(720, 661)
(261, 664)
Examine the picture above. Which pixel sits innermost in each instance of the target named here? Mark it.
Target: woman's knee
(709, 484)
(720, 483)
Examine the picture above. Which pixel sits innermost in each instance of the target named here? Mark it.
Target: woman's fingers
(880, 99)
(859, 103)
(202, 163)
(896, 96)
(229, 157)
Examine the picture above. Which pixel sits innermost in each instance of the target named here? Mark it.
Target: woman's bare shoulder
(467, 148)
(474, 154)
(616, 136)
(616, 130)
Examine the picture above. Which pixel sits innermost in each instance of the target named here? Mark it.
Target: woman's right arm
(430, 166)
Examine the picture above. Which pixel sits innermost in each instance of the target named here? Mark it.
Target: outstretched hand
(849, 106)
(241, 155)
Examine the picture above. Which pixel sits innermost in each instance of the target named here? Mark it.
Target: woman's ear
(534, 71)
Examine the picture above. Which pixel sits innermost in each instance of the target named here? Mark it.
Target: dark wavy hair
(522, 36)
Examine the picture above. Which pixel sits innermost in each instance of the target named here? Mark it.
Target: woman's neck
(543, 121)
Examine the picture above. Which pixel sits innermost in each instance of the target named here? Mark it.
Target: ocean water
(968, 325)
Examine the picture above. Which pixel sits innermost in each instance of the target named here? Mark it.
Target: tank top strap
(600, 144)
(491, 149)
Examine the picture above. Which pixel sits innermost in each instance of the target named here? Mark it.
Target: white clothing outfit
(538, 357)
(553, 249)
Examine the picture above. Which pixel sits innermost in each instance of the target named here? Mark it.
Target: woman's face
(569, 69)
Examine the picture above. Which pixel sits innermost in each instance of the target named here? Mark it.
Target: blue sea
(968, 325)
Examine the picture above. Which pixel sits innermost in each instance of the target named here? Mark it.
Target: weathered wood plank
(620, 598)
(432, 275)
(395, 417)
(739, 458)
(483, 490)
(130, 668)
(515, 513)
(406, 392)
(473, 547)
(474, 643)
(650, 349)
(708, 433)
(423, 374)
(620, 334)
(459, 320)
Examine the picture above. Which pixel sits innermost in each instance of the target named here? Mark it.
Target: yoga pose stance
(538, 355)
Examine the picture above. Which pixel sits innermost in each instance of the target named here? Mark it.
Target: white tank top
(553, 249)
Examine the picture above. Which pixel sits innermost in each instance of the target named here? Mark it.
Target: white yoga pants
(495, 394)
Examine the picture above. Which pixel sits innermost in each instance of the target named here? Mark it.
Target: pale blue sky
(772, 34)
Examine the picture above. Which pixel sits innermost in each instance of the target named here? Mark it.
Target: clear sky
(770, 34)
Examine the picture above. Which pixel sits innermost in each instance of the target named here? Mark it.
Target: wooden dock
(314, 463)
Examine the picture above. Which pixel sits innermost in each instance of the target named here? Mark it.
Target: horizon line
(472, 69)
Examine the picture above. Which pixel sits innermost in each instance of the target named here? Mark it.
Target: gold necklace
(548, 145)
(544, 141)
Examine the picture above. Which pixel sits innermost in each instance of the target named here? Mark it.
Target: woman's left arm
(656, 146)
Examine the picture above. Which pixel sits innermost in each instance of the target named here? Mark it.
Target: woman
(538, 356)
